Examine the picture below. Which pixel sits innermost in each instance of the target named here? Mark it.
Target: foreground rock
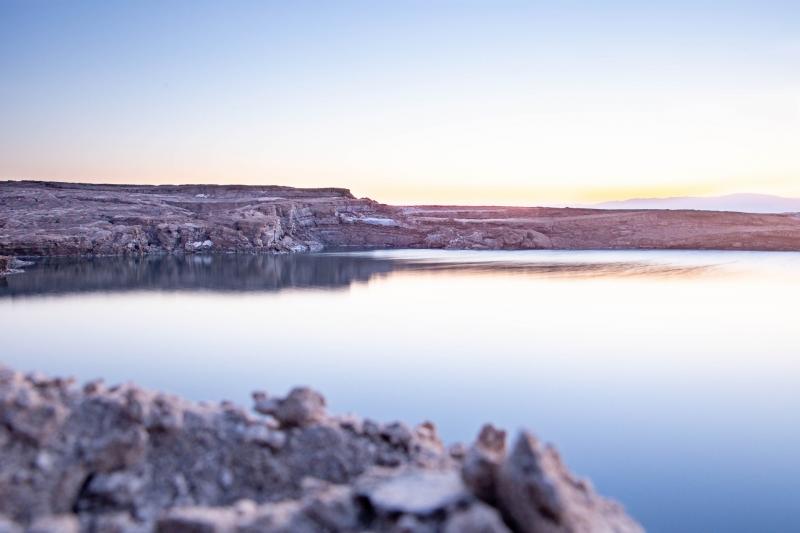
(42, 218)
(118, 459)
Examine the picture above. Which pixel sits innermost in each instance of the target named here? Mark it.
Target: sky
(435, 101)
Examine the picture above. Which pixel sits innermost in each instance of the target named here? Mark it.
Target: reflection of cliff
(225, 273)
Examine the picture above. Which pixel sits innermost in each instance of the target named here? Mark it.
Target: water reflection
(223, 273)
(667, 378)
(257, 273)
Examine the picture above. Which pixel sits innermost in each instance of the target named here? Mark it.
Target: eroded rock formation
(42, 218)
(123, 459)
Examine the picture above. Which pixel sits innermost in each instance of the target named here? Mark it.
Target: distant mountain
(744, 203)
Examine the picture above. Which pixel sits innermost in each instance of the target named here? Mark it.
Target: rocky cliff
(124, 459)
(42, 218)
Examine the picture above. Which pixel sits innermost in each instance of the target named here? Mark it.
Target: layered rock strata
(124, 459)
(50, 219)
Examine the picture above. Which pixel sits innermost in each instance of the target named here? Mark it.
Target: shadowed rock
(482, 461)
(121, 458)
(539, 495)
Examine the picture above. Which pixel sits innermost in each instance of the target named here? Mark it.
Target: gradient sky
(407, 101)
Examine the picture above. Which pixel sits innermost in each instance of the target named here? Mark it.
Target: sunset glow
(415, 102)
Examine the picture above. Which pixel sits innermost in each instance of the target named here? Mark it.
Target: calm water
(669, 378)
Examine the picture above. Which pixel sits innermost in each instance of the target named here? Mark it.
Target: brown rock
(124, 459)
(537, 494)
(482, 463)
(47, 219)
(302, 407)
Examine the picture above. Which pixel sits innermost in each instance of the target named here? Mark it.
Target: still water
(671, 379)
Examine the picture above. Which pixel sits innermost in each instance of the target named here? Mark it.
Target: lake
(670, 379)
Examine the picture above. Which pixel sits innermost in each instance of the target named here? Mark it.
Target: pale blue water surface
(671, 379)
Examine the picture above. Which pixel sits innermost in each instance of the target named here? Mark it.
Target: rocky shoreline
(11, 265)
(69, 219)
(123, 459)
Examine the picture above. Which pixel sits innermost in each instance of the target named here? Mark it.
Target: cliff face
(124, 459)
(74, 219)
(39, 218)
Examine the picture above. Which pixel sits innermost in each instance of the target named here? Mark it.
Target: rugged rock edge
(124, 459)
(55, 219)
